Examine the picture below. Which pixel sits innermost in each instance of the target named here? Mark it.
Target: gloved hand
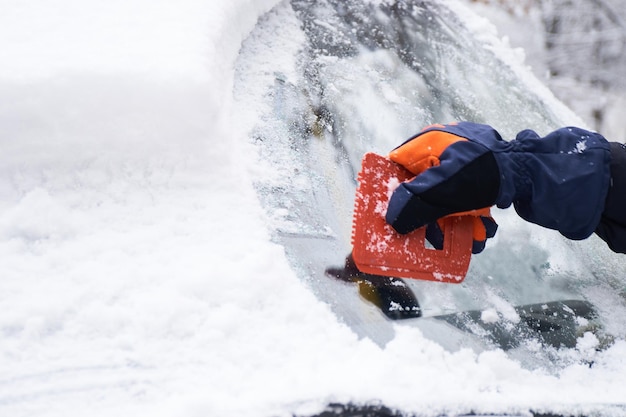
(559, 181)
(454, 175)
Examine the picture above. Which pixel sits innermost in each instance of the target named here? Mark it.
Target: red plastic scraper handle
(379, 249)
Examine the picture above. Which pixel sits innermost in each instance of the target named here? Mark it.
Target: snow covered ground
(137, 272)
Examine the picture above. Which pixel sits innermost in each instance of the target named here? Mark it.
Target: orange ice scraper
(379, 249)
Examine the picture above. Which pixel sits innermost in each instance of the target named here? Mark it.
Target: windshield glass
(331, 80)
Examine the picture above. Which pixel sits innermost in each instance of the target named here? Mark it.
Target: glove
(454, 175)
(559, 181)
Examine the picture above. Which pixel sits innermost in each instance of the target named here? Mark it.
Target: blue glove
(559, 181)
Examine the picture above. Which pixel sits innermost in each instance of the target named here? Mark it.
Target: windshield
(334, 79)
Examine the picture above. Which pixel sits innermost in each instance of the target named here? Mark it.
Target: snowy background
(137, 273)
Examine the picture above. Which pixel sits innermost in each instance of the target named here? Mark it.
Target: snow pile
(137, 273)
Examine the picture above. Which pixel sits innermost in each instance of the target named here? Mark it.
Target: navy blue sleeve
(612, 227)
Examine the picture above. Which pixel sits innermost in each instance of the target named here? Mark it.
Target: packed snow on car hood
(139, 271)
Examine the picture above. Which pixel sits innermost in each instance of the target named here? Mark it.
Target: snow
(138, 276)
